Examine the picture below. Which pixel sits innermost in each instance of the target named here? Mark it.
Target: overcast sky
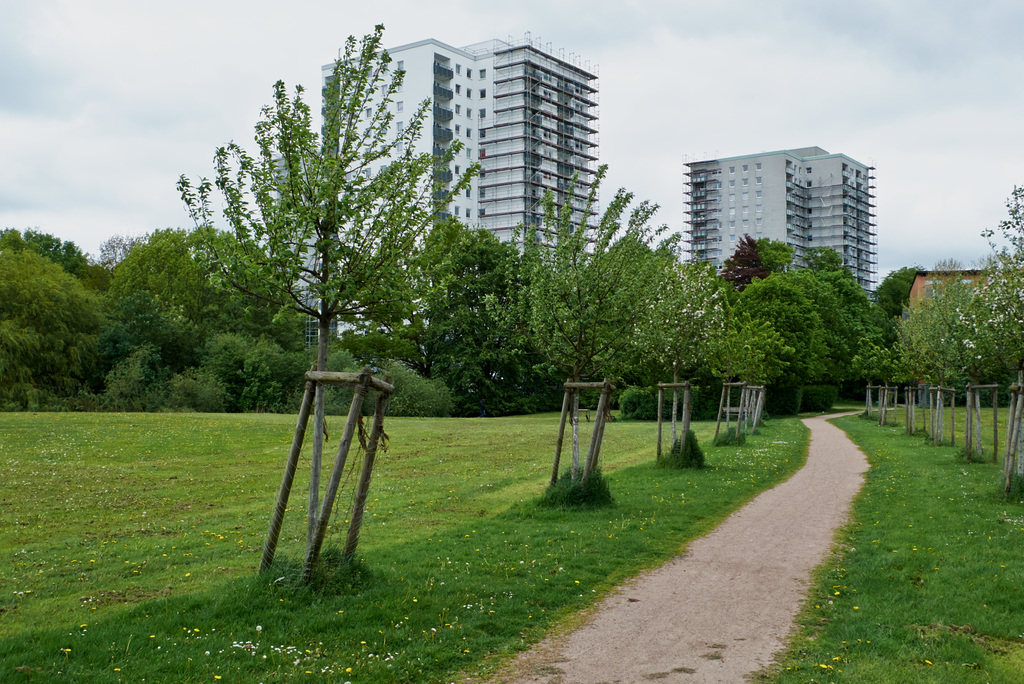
(103, 104)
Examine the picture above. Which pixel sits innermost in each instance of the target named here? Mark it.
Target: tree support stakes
(274, 533)
(661, 406)
(363, 490)
(561, 434)
(674, 386)
(598, 434)
(354, 411)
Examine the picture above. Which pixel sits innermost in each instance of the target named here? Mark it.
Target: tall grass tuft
(685, 454)
(569, 493)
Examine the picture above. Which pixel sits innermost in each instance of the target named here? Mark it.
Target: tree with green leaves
(688, 321)
(327, 222)
(48, 330)
(589, 285)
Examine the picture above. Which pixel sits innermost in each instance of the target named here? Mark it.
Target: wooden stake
(561, 436)
(363, 490)
(274, 533)
(661, 407)
(355, 409)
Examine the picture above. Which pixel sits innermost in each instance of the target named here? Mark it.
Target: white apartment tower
(804, 197)
(527, 114)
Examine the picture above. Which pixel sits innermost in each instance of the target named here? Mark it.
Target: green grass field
(928, 582)
(130, 545)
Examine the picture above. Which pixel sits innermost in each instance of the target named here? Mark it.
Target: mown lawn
(129, 545)
(928, 581)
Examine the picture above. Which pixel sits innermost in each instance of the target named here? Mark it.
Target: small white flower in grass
(259, 628)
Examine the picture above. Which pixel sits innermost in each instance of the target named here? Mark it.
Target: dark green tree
(49, 325)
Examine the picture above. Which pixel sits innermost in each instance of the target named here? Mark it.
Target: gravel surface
(721, 610)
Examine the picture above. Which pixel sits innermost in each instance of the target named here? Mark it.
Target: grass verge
(927, 583)
(130, 544)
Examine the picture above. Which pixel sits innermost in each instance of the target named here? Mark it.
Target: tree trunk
(575, 429)
(675, 400)
(354, 411)
(687, 408)
(313, 511)
(969, 423)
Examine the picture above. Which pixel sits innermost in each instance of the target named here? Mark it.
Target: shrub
(639, 403)
(818, 397)
(730, 438)
(196, 389)
(687, 454)
(782, 401)
(417, 396)
(569, 493)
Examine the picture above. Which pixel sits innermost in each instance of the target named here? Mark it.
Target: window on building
(809, 183)
(483, 93)
(746, 223)
(400, 106)
(483, 132)
(732, 183)
(746, 167)
(483, 113)
(469, 92)
(746, 182)
(746, 195)
(458, 109)
(757, 208)
(458, 210)
(757, 222)
(732, 211)
(732, 225)
(458, 89)
(457, 131)
(732, 169)
(469, 152)
(757, 194)
(458, 68)
(757, 166)
(758, 180)
(401, 65)
(467, 192)
(732, 237)
(456, 169)
(732, 197)
(808, 169)
(483, 73)
(469, 132)
(366, 112)
(467, 212)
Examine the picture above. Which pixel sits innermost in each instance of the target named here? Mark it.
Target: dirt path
(721, 610)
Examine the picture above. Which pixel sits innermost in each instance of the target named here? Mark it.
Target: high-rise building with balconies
(804, 197)
(526, 113)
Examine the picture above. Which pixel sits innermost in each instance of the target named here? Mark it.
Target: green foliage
(589, 287)
(136, 382)
(417, 396)
(196, 389)
(49, 325)
(818, 398)
(687, 454)
(329, 224)
(782, 301)
(569, 493)
(893, 294)
(641, 403)
(783, 400)
(776, 256)
(751, 350)
(729, 438)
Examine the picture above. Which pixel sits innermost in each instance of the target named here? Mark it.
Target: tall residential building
(804, 197)
(527, 114)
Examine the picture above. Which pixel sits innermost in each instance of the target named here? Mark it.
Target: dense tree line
(149, 326)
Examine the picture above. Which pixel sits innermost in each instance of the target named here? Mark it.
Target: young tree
(327, 224)
(687, 323)
(589, 286)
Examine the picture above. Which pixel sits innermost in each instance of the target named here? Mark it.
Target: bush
(197, 389)
(687, 454)
(569, 493)
(641, 403)
(818, 397)
(416, 396)
(729, 438)
(782, 401)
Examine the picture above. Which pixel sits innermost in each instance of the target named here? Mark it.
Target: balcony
(443, 134)
(443, 93)
(443, 72)
(443, 175)
(443, 113)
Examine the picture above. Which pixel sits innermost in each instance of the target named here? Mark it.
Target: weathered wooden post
(274, 533)
(566, 400)
(598, 434)
(661, 407)
(363, 489)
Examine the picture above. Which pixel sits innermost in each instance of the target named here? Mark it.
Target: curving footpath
(720, 611)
